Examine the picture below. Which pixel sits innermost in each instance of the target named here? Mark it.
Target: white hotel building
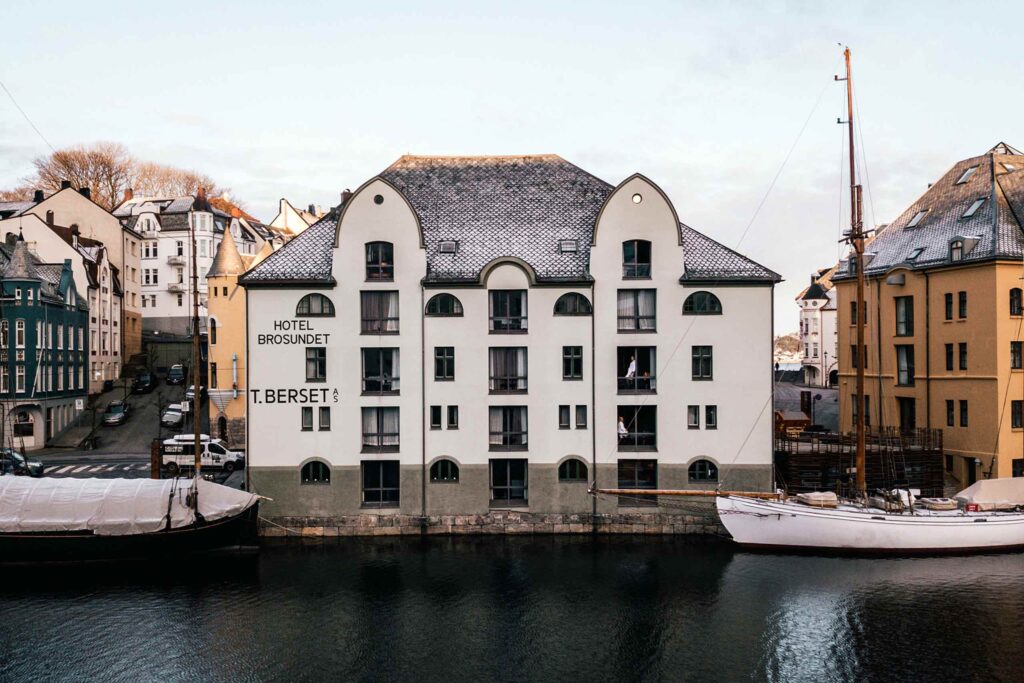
(457, 339)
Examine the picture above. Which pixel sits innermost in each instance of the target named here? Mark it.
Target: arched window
(573, 303)
(636, 259)
(702, 303)
(572, 469)
(380, 261)
(703, 470)
(444, 304)
(1016, 301)
(316, 472)
(444, 470)
(315, 306)
(956, 250)
(213, 331)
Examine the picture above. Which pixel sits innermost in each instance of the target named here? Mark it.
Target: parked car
(117, 413)
(176, 375)
(178, 453)
(173, 416)
(143, 383)
(190, 393)
(13, 462)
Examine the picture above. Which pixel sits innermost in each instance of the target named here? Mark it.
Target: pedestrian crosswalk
(75, 470)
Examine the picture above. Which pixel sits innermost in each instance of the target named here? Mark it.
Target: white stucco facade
(819, 341)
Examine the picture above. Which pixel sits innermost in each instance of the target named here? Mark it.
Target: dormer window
(380, 261)
(1009, 167)
(918, 217)
(568, 246)
(448, 247)
(956, 250)
(966, 175)
(853, 265)
(636, 259)
(973, 208)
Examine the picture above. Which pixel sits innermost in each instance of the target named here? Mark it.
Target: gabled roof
(705, 260)
(997, 178)
(498, 206)
(12, 209)
(306, 258)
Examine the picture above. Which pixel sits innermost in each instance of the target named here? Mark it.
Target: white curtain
(520, 368)
(626, 309)
(396, 373)
(495, 426)
(369, 426)
(522, 310)
(646, 309)
(391, 311)
(389, 426)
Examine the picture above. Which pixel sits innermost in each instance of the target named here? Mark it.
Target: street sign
(79, 404)
(184, 406)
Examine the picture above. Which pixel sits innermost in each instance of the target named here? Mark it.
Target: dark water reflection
(520, 609)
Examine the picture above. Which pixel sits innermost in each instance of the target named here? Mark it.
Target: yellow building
(945, 317)
(226, 340)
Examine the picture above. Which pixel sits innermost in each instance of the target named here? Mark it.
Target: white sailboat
(987, 516)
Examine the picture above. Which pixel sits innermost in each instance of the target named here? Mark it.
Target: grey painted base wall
(465, 507)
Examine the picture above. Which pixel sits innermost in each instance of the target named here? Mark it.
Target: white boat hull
(753, 522)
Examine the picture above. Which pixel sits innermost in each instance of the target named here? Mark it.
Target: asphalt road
(133, 438)
(826, 411)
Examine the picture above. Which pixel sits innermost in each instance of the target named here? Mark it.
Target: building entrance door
(908, 413)
(972, 471)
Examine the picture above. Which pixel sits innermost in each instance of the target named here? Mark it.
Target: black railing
(638, 385)
(508, 441)
(638, 441)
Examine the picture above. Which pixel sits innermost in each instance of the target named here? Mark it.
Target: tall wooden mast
(856, 239)
(196, 393)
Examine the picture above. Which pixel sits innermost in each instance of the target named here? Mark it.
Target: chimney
(65, 184)
(49, 218)
(129, 193)
(312, 209)
(345, 195)
(85, 192)
(38, 196)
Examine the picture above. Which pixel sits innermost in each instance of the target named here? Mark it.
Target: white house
(467, 335)
(290, 221)
(165, 224)
(818, 331)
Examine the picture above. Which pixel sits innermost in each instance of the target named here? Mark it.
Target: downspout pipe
(594, 421)
(423, 418)
(927, 353)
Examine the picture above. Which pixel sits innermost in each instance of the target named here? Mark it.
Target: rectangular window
(507, 369)
(509, 481)
(5, 379)
(307, 419)
(711, 416)
(380, 261)
(435, 417)
(508, 311)
(453, 417)
(444, 363)
(325, 419)
(641, 475)
(637, 310)
(380, 429)
(904, 316)
(19, 379)
(908, 412)
(181, 299)
(572, 362)
(867, 411)
(949, 305)
(213, 375)
(581, 417)
(963, 355)
(963, 413)
(1016, 355)
(60, 337)
(638, 428)
(693, 417)
(950, 413)
(636, 259)
(962, 304)
(379, 312)
(702, 362)
(507, 428)
(563, 417)
(380, 371)
(316, 364)
(949, 357)
(905, 365)
(179, 245)
(1017, 414)
(380, 483)
(635, 369)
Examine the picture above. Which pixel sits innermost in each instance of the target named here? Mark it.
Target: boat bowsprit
(105, 519)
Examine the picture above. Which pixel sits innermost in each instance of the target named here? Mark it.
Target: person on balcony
(623, 432)
(631, 370)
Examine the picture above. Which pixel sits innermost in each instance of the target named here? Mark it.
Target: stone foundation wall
(698, 518)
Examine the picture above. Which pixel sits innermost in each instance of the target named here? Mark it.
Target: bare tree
(108, 169)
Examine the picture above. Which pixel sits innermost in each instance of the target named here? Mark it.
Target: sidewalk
(73, 437)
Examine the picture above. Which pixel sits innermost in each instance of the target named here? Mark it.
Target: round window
(637, 198)
(378, 199)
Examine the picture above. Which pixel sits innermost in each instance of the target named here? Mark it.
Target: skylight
(1009, 167)
(447, 246)
(974, 208)
(568, 246)
(967, 175)
(918, 217)
(914, 254)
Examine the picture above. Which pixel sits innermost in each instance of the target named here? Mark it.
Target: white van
(178, 453)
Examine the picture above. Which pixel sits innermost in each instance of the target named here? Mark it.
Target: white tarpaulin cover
(994, 494)
(110, 507)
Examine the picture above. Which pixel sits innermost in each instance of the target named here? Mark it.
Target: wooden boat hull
(789, 526)
(85, 546)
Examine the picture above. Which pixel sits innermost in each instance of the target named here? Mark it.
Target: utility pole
(855, 238)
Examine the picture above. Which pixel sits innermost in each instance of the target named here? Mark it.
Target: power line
(38, 132)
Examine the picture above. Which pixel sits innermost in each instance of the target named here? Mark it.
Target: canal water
(519, 609)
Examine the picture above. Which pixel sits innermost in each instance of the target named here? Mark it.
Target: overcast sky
(303, 99)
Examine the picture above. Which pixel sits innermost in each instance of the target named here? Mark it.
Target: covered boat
(95, 519)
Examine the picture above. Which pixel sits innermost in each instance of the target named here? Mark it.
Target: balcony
(638, 428)
(635, 370)
(508, 441)
(176, 260)
(177, 287)
(381, 385)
